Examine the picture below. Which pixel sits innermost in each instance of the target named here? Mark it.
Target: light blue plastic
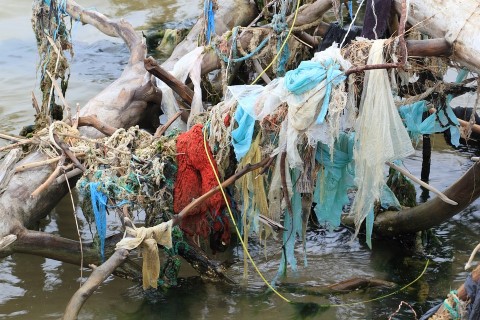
(335, 180)
(99, 206)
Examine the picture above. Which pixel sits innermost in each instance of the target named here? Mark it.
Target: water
(38, 288)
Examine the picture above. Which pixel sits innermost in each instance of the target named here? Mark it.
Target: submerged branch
(98, 275)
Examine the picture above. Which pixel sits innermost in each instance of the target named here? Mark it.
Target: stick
(472, 255)
(423, 184)
(36, 164)
(98, 275)
(68, 153)
(259, 69)
(179, 87)
(475, 127)
(403, 48)
(93, 121)
(60, 94)
(49, 180)
(161, 130)
(35, 103)
(15, 145)
(70, 174)
(11, 137)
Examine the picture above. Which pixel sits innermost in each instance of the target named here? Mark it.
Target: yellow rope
(381, 297)
(245, 249)
(283, 45)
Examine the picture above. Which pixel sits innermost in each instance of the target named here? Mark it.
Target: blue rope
(279, 25)
(227, 59)
(99, 206)
(61, 10)
(350, 9)
(209, 15)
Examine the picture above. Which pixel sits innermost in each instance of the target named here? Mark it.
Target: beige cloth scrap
(147, 239)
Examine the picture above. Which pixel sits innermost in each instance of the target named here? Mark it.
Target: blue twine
(279, 25)
(227, 59)
(350, 9)
(210, 17)
(99, 205)
(61, 10)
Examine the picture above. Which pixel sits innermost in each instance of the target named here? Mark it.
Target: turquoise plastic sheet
(331, 190)
(444, 119)
(244, 116)
(293, 227)
(335, 180)
(309, 74)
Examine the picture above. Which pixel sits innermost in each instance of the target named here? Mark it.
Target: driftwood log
(125, 102)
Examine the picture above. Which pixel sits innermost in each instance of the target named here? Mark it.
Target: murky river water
(37, 288)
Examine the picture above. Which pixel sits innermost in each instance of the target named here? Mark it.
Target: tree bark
(431, 213)
(98, 275)
(456, 21)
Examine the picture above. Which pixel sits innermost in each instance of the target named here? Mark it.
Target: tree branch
(98, 275)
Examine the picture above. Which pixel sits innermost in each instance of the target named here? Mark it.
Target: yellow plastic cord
(245, 249)
(381, 297)
(283, 45)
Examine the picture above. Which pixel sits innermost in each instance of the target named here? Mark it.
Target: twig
(286, 196)
(472, 256)
(400, 307)
(161, 130)
(76, 224)
(60, 94)
(68, 175)
(11, 137)
(423, 184)
(52, 43)
(68, 153)
(49, 180)
(35, 103)
(178, 86)
(98, 275)
(36, 164)
(248, 168)
(16, 144)
(259, 69)
(93, 121)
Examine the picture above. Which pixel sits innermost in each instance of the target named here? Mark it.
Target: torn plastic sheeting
(335, 180)
(380, 137)
(188, 65)
(309, 75)
(444, 119)
(245, 117)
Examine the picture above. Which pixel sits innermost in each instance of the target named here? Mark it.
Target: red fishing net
(194, 178)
